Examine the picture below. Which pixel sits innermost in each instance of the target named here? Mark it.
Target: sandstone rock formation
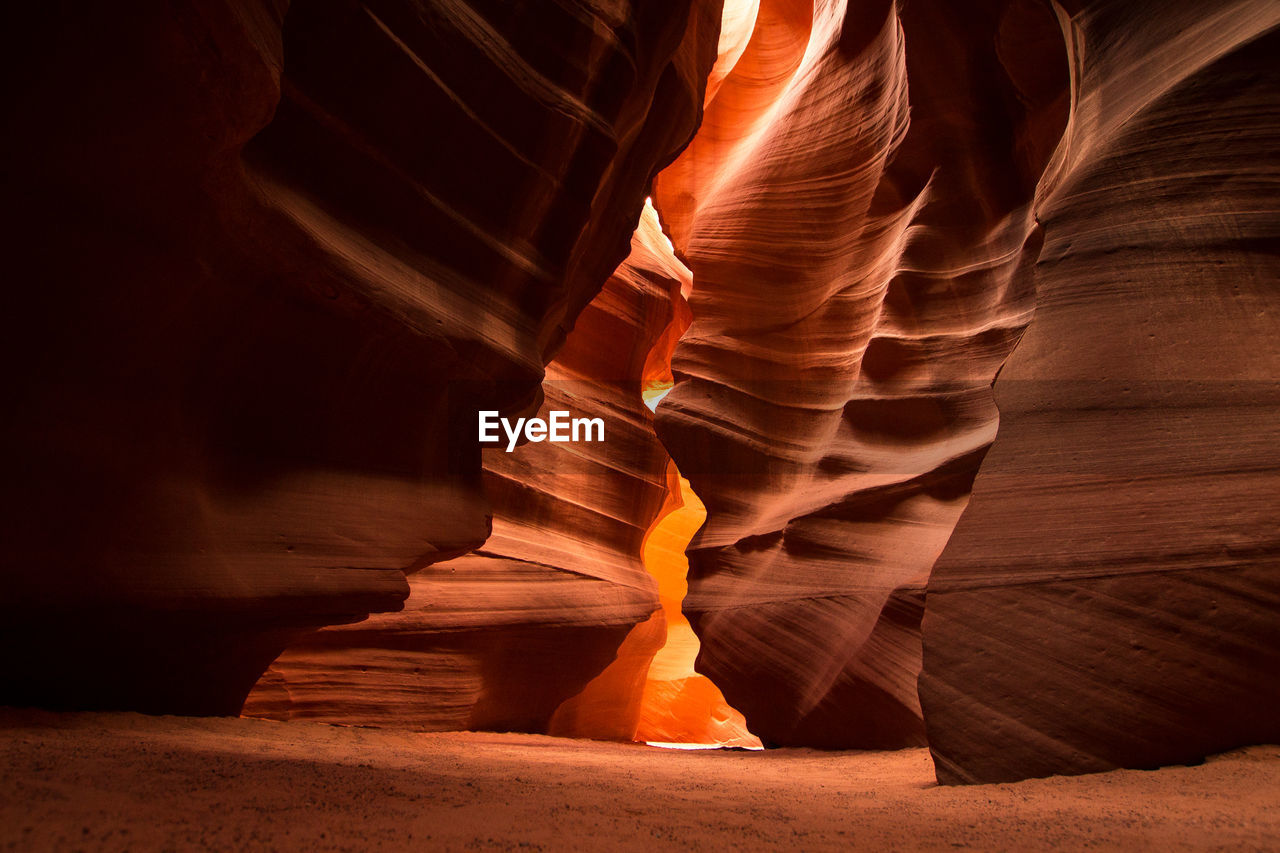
(856, 212)
(502, 638)
(1110, 596)
(865, 213)
(266, 264)
(651, 691)
(583, 576)
(268, 259)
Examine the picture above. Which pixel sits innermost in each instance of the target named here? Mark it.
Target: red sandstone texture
(502, 638)
(267, 263)
(1111, 597)
(857, 214)
(878, 201)
(269, 259)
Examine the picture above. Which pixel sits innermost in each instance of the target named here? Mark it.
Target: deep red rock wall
(879, 200)
(501, 638)
(1110, 596)
(267, 261)
(856, 212)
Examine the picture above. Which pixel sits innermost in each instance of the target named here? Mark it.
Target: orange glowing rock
(651, 691)
(862, 248)
(609, 707)
(679, 705)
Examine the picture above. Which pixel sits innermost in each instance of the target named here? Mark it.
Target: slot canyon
(937, 349)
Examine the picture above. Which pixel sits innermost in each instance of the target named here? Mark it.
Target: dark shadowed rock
(267, 263)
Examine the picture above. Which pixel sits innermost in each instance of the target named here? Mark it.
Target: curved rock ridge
(503, 638)
(651, 692)
(1110, 597)
(856, 212)
(679, 704)
(269, 260)
(484, 643)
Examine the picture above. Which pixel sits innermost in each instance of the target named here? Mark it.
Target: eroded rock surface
(856, 212)
(267, 260)
(502, 638)
(1110, 596)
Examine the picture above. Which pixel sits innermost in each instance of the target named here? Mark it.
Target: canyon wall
(879, 201)
(1110, 596)
(857, 214)
(267, 260)
(501, 638)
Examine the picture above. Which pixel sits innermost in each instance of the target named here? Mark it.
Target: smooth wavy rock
(502, 638)
(1110, 596)
(856, 212)
(267, 260)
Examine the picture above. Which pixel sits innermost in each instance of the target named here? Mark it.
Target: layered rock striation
(1110, 597)
(268, 260)
(879, 201)
(857, 214)
(502, 638)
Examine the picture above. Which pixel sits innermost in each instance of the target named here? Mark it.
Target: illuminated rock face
(269, 262)
(856, 212)
(678, 704)
(1109, 598)
(651, 692)
(500, 639)
(583, 575)
(859, 211)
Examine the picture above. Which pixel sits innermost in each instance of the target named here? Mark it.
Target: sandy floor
(129, 782)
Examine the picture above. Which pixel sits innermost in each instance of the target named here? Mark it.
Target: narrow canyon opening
(679, 706)
(653, 683)
(936, 384)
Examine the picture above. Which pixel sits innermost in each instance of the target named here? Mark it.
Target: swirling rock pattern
(502, 638)
(1110, 596)
(856, 212)
(269, 259)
